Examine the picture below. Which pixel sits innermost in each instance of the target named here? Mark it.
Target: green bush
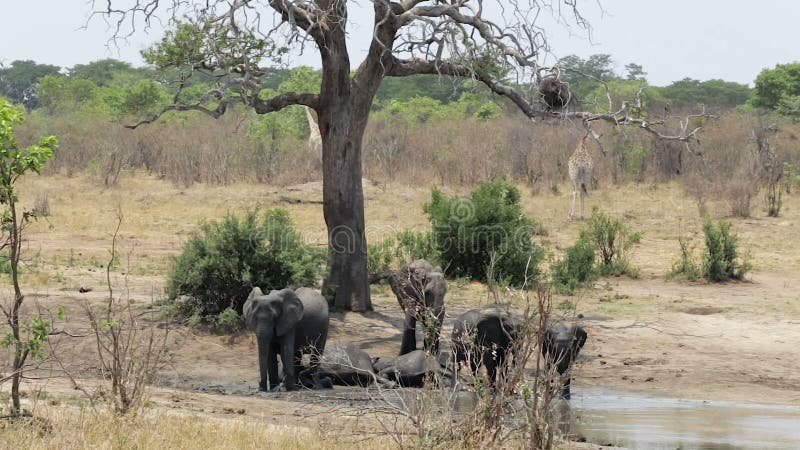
(611, 239)
(228, 321)
(220, 265)
(685, 268)
(575, 269)
(402, 248)
(380, 257)
(721, 261)
(485, 233)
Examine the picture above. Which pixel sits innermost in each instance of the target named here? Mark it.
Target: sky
(672, 39)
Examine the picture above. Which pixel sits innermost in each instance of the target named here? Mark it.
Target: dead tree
(236, 42)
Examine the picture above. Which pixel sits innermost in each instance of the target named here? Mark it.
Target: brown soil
(732, 341)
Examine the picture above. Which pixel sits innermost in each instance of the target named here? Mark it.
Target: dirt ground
(731, 341)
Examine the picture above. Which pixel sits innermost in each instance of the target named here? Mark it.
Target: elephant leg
(565, 393)
(491, 370)
(267, 363)
(272, 369)
(409, 343)
(432, 335)
(289, 361)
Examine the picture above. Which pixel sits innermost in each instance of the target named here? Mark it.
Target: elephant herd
(290, 323)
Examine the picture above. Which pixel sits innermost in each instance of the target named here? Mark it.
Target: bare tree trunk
(19, 352)
(343, 198)
(342, 120)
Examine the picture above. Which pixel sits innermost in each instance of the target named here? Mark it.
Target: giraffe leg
(572, 208)
(582, 210)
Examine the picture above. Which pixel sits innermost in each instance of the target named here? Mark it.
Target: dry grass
(70, 245)
(64, 427)
(160, 216)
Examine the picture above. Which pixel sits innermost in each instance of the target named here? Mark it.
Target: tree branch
(215, 113)
(402, 68)
(281, 101)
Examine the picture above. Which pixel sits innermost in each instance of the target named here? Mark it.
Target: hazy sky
(672, 39)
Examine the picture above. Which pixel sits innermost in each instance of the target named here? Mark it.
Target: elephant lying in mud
(560, 347)
(347, 365)
(414, 369)
(484, 338)
(287, 323)
(420, 288)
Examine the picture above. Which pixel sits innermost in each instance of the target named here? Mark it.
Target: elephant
(412, 369)
(287, 323)
(486, 336)
(347, 365)
(560, 347)
(420, 288)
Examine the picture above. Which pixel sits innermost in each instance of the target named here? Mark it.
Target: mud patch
(703, 310)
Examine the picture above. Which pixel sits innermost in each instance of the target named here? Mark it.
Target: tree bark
(19, 352)
(347, 283)
(342, 121)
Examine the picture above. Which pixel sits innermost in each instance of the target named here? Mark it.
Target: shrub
(486, 230)
(380, 256)
(685, 268)
(220, 265)
(229, 320)
(575, 269)
(721, 261)
(611, 239)
(402, 248)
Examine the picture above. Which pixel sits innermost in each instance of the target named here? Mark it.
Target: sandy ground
(732, 341)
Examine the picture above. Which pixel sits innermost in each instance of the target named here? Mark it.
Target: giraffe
(314, 138)
(580, 173)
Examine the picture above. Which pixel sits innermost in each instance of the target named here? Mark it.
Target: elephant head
(560, 346)
(484, 337)
(420, 288)
(273, 318)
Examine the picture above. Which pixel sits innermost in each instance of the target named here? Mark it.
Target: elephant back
(464, 327)
(346, 364)
(408, 282)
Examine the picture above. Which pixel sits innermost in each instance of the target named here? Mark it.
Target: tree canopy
(776, 86)
(18, 80)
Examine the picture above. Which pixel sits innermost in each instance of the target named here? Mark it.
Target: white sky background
(672, 39)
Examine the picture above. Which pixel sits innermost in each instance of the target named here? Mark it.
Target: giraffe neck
(312, 124)
(581, 154)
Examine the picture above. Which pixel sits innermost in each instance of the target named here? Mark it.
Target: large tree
(18, 81)
(499, 43)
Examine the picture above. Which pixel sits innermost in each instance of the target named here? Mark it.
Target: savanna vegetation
(466, 163)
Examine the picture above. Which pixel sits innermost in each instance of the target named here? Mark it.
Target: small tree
(721, 261)
(486, 231)
(220, 265)
(612, 240)
(576, 268)
(15, 162)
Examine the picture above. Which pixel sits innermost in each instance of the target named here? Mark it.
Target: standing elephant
(560, 348)
(486, 336)
(420, 288)
(287, 323)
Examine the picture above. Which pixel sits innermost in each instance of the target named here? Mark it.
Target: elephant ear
(580, 337)
(255, 292)
(249, 304)
(291, 312)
